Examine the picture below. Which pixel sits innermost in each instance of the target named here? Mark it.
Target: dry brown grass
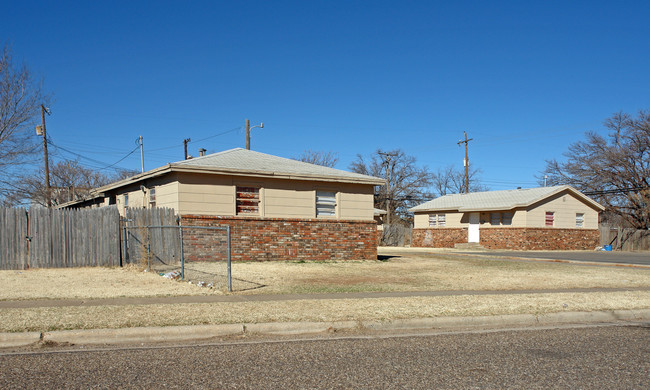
(380, 309)
(417, 272)
(425, 272)
(86, 283)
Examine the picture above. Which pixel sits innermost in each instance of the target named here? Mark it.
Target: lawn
(412, 272)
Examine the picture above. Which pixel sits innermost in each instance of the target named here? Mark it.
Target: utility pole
(466, 141)
(248, 132)
(387, 157)
(141, 154)
(185, 141)
(48, 190)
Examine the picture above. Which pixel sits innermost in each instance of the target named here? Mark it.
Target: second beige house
(547, 218)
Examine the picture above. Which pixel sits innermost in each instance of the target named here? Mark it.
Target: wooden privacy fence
(144, 240)
(45, 238)
(625, 239)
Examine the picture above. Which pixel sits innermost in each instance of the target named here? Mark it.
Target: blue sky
(524, 79)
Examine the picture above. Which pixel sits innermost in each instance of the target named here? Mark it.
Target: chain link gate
(198, 254)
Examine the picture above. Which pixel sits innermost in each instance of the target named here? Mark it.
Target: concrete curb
(8, 340)
(204, 332)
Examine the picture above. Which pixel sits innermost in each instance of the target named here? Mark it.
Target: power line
(616, 191)
(102, 165)
(198, 140)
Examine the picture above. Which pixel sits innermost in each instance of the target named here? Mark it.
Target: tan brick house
(277, 208)
(547, 218)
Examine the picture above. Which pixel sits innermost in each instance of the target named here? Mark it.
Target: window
(126, 200)
(248, 200)
(439, 220)
(506, 219)
(152, 197)
(325, 203)
(495, 218)
(580, 220)
(550, 216)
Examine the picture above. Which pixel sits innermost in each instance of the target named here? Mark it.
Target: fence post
(180, 229)
(28, 240)
(229, 271)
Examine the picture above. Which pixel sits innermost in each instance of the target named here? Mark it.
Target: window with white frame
(152, 197)
(580, 220)
(126, 200)
(550, 218)
(247, 201)
(439, 220)
(506, 218)
(325, 203)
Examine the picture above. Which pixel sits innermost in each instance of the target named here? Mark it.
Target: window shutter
(326, 203)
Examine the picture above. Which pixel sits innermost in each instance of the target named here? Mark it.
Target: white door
(472, 232)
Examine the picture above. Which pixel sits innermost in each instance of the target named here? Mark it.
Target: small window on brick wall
(580, 220)
(495, 218)
(325, 203)
(248, 200)
(550, 218)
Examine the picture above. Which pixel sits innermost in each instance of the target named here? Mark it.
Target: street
(596, 357)
(615, 257)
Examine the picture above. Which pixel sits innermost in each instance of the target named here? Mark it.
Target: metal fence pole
(180, 229)
(124, 244)
(229, 270)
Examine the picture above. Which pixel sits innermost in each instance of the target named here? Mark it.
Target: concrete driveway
(614, 257)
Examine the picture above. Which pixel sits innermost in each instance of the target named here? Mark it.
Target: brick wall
(439, 238)
(540, 238)
(511, 238)
(262, 239)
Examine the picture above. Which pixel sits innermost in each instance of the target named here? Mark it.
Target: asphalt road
(586, 358)
(638, 258)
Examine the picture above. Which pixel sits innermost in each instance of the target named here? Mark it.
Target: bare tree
(20, 99)
(326, 159)
(69, 181)
(613, 169)
(408, 184)
(450, 180)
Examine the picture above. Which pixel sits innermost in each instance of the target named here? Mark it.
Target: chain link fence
(197, 254)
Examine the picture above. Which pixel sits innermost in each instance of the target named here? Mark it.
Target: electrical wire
(198, 140)
(101, 165)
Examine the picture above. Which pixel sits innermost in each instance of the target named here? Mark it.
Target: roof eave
(276, 175)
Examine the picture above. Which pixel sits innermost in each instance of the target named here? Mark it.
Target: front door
(472, 232)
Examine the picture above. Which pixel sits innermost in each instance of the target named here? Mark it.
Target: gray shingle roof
(247, 161)
(497, 200)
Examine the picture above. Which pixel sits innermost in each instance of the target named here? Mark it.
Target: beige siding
(167, 195)
(206, 194)
(279, 198)
(453, 219)
(356, 206)
(282, 201)
(518, 219)
(565, 206)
